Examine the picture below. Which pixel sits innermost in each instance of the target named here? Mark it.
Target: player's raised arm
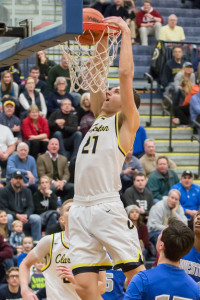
(97, 61)
(129, 116)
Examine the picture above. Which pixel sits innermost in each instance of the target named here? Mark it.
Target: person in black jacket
(139, 195)
(45, 202)
(17, 201)
(63, 124)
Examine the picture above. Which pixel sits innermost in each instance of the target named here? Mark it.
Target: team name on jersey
(190, 267)
(61, 259)
(100, 128)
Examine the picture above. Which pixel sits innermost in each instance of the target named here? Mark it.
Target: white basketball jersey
(99, 161)
(57, 288)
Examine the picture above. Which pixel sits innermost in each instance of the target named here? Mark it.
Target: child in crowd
(16, 236)
(27, 245)
(4, 224)
(148, 249)
(37, 280)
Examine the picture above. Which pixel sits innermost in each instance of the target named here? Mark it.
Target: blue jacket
(15, 164)
(141, 136)
(194, 106)
(190, 199)
(54, 100)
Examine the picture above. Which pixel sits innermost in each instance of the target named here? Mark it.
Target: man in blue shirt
(167, 280)
(190, 195)
(191, 261)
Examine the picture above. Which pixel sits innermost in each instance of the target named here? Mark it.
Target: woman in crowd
(134, 215)
(7, 86)
(4, 224)
(32, 97)
(187, 73)
(85, 115)
(182, 110)
(35, 130)
(44, 64)
(55, 97)
(45, 202)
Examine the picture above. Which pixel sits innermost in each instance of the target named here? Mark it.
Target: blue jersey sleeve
(136, 287)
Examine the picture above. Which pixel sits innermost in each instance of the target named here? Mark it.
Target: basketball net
(89, 68)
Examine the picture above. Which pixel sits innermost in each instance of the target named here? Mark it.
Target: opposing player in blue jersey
(115, 280)
(167, 281)
(191, 261)
(98, 222)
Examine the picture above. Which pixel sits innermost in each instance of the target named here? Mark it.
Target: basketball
(92, 36)
(92, 15)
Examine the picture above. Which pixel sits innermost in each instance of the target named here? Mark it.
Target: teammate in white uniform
(57, 272)
(97, 219)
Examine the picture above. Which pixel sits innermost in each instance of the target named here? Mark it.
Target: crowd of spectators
(42, 125)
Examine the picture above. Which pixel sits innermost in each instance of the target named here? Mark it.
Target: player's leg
(87, 286)
(133, 272)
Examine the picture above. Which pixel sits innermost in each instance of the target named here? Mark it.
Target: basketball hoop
(89, 68)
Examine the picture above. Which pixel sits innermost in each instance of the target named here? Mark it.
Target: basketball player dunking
(98, 222)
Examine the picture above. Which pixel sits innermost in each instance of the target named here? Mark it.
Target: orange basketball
(91, 37)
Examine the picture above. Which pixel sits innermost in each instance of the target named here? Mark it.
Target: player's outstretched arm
(129, 116)
(98, 61)
(24, 274)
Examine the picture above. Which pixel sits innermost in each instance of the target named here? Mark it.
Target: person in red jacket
(35, 130)
(149, 21)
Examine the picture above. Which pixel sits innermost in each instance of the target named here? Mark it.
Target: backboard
(52, 22)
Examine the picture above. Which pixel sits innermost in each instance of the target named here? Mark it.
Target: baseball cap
(187, 172)
(8, 101)
(17, 174)
(187, 64)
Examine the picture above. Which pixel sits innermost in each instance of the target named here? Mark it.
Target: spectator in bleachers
(16, 236)
(159, 214)
(134, 215)
(190, 195)
(12, 290)
(27, 246)
(17, 201)
(139, 195)
(37, 280)
(63, 124)
(149, 159)
(61, 70)
(44, 64)
(21, 161)
(84, 107)
(40, 85)
(182, 105)
(35, 130)
(195, 108)
(172, 32)
(31, 97)
(101, 6)
(8, 118)
(118, 9)
(14, 70)
(45, 202)
(4, 224)
(6, 261)
(162, 179)
(129, 5)
(7, 147)
(172, 67)
(86, 122)
(149, 22)
(130, 168)
(55, 166)
(8, 87)
(138, 146)
(55, 97)
(85, 115)
(187, 73)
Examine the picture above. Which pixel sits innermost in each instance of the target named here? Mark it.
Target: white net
(88, 66)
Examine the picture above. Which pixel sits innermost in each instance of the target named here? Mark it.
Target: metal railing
(169, 104)
(150, 80)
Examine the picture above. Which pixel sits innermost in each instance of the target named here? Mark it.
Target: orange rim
(101, 27)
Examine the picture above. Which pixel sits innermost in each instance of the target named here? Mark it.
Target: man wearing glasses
(12, 290)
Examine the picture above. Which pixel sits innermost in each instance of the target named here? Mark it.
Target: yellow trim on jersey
(63, 240)
(117, 131)
(129, 260)
(102, 116)
(50, 254)
(92, 265)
